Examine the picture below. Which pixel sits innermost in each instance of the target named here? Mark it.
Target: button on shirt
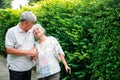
(16, 38)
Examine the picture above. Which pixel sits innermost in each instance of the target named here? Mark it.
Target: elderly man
(19, 43)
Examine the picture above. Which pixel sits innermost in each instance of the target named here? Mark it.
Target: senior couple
(22, 50)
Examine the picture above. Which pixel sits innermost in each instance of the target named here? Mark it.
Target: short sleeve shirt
(16, 38)
(48, 57)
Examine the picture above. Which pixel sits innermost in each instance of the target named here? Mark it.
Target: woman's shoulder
(51, 38)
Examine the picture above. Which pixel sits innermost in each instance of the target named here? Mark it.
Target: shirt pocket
(19, 42)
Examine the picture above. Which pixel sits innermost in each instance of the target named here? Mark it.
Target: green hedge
(88, 31)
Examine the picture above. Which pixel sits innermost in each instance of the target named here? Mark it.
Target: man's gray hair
(28, 16)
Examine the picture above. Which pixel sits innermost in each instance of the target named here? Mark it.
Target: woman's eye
(35, 32)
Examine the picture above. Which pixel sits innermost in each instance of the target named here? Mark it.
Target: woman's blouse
(48, 57)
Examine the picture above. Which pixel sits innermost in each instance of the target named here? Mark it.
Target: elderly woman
(50, 52)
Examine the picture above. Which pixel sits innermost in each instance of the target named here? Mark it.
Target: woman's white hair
(39, 26)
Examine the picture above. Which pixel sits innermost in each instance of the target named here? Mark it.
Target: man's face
(28, 25)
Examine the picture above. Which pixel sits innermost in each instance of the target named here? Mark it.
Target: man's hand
(33, 53)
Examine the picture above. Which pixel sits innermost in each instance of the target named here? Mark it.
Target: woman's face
(38, 32)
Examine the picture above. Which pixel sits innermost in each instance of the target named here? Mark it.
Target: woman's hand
(33, 53)
(68, 69)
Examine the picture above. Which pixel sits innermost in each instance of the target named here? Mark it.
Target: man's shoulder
(12, 28)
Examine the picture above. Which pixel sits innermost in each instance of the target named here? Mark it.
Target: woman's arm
(67, 68)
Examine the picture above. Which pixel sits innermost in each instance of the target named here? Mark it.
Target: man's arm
(32, 52)
(16, 51)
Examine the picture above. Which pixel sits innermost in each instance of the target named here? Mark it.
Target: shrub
(88, 32)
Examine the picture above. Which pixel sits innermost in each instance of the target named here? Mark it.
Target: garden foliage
(88, 31)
